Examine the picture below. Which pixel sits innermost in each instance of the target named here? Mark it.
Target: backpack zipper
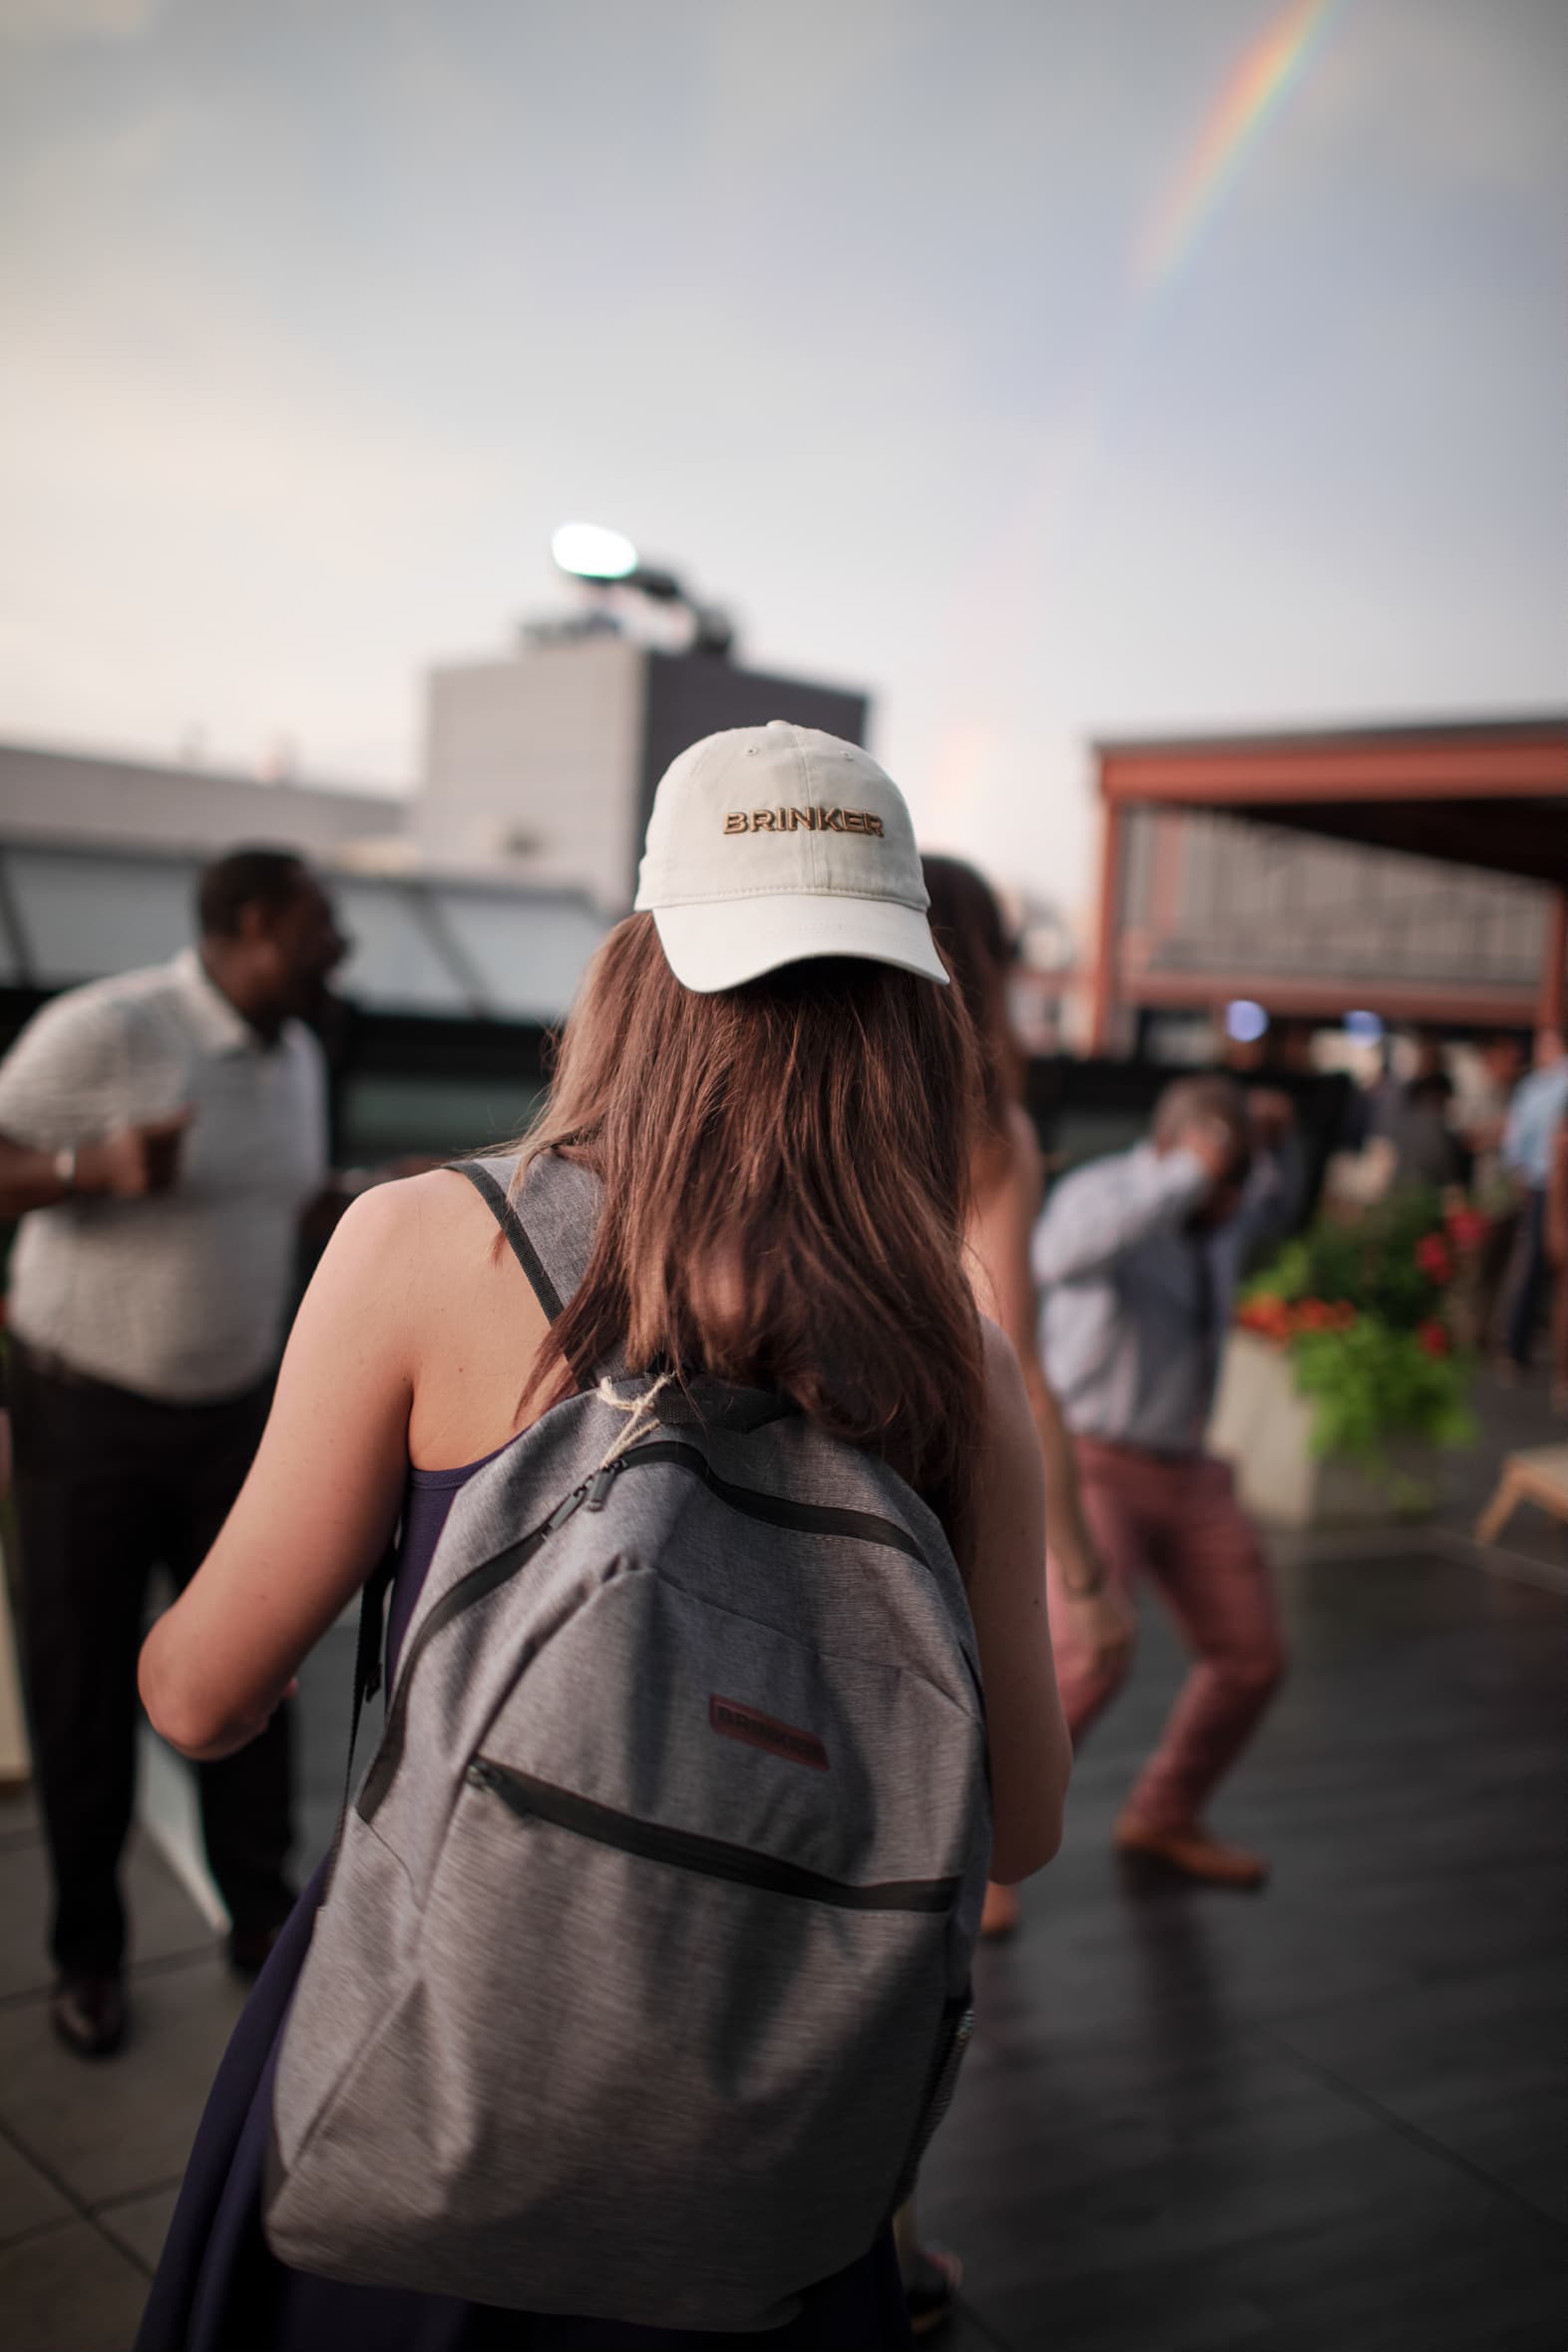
(541, 1801)
(776, 1511)
(475, 1586)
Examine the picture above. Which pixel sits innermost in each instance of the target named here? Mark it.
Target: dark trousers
(109, 1485)
(1527, 1277)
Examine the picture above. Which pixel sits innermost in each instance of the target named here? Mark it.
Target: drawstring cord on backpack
(639, 1408)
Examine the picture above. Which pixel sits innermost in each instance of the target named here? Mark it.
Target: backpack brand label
(738, 1722)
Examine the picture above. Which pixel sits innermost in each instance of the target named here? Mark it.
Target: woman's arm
(320, 1504)
(1030, 1754)
(1000, 1231)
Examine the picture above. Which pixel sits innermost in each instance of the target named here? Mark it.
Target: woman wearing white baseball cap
(771, 845)
(762, 1106)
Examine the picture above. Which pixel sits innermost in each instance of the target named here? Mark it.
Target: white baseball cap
(769, 845)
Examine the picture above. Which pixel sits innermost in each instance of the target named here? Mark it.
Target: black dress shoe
(89, 2014)
(249, 1949)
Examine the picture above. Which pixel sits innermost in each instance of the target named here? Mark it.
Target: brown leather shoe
(1192, 1853)
(930, 2286)
(1001, 1913)
(87, 2014)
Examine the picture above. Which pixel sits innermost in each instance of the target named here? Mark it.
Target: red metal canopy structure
(1488, 796)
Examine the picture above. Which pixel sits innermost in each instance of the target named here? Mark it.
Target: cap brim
(720, 943)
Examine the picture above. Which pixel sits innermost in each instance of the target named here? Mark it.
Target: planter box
(1263, 1428)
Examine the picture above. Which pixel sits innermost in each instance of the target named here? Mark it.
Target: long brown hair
(785, 1172)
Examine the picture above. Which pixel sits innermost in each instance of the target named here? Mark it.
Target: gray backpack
(643, 1978)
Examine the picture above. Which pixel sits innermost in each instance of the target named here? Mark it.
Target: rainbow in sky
(1251, 92)
(998, 597)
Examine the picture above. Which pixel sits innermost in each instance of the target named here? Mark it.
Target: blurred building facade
(481, 892)
(473, 904)
(1418, 873)
(84, 796)
(544, 762)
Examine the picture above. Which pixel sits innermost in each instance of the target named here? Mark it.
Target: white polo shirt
(179, 1297)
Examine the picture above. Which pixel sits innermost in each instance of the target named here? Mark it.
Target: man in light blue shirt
(1137, 1258)
(1538, 1109)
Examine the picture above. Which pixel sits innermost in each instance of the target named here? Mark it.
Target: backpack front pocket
(534, 1799)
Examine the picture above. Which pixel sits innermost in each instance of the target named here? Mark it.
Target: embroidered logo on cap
(812, 820)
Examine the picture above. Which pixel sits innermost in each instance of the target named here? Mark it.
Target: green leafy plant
(1370, 1383)
(1365, 1311)
(1396, 1262)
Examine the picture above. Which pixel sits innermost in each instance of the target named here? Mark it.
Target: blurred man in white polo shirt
(159, 1135)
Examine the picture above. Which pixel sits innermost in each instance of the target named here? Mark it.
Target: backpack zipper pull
(600, 1484)
(564, 1511)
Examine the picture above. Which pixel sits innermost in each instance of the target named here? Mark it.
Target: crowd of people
(1498, 1130)
(784, 1214)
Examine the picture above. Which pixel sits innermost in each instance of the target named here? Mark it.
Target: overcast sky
(319, 318)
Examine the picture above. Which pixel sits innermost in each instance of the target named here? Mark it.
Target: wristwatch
(64, 1164)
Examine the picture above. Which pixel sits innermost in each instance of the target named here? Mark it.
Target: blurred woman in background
(1007, 1182)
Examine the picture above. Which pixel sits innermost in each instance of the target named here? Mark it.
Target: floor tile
(69, 2291)
(1476, 2063)
(967, 2331)
(27, 2200)
(163, 1920)
(141, 2223)
(18, 1814)
(121, 2126)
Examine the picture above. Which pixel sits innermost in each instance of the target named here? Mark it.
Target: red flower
(1434, 1258)
(1268, 1316)
(1468, 1228)
(1435, 1337)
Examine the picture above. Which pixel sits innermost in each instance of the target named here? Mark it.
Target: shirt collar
(222, 1029)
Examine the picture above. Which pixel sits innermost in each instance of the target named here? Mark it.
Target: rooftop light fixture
(589, 552)
(608, 559)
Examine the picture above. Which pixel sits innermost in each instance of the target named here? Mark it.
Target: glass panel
(10, 968)
(86, 913)
(385, 1118)
(527, 948)
(395, 962)
(1088, 1134)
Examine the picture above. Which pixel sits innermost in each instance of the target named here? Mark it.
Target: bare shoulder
(437, 1206)
(408, 1236)
(417, 1283)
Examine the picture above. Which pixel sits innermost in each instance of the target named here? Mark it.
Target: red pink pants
(1175, 1522)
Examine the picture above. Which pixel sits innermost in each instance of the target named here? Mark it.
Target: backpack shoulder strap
(553, 1250)
(549, 1227)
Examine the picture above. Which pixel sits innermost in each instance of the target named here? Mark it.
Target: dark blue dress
(221, 2288)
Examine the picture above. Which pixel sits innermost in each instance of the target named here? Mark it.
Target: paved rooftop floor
(1332, 2118)
(1329, 2119)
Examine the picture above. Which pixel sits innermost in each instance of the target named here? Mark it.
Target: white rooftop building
(483, 893)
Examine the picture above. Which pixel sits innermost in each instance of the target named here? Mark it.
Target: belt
(45, 1365)
(1168, 1456)
(50, 1367)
